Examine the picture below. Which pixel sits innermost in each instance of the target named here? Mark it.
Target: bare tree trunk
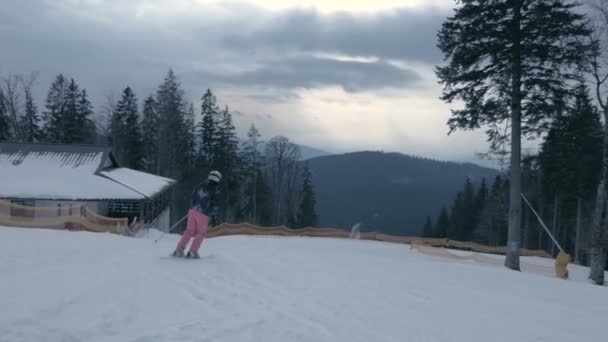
(597, 251)
(514, 237)
(255, 198)
(524, 229)
(13, 103)
(577, 239)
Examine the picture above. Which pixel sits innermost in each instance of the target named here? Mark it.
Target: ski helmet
(215, 176)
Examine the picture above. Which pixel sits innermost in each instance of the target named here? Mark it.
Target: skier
(204, 205)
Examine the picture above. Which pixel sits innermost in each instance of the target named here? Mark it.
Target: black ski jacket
(205, 199)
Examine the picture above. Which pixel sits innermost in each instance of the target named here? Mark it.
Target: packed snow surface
(79, 286)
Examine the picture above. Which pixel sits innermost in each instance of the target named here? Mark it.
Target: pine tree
(492, 226)
(4, 120)
(68, 114)
(457, 218)
(226, 158)
(30, 121)
(55, 110)
(480, 199)
(263, 200)
(251, 159)
(118, 125)
(570, 161)
(427, 231)
(150, 137)
(84, 114)
(470, 211)
(506, 59)
(307, 215)
(72, 125)
(442, 224)
(125, 132)
(170, 106)
(189, 136)
(208, 127)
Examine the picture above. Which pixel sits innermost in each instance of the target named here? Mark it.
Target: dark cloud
(313, 72)
(404, 34)
(275, 97)
(106, 45)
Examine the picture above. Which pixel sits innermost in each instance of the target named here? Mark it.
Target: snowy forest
(559, 181)
(526, 70)
(266, 182)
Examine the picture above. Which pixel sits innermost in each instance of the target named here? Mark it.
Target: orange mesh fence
(464, 252)
(478, 258)
(250, 229)
(70, 217)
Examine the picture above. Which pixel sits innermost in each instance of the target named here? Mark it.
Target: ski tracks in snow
(102, 287)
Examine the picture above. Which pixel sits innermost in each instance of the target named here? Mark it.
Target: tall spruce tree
(307, 215)
(263, 200)
(125, 108)
(480, 198)
(226, 159)
(189, 137)
(30, 121)
(68, 114)
(442, 225)
(54, 116)
(570, 160)
(252, 161)
(4, 119)
(505, 60)
(208, 126)
(72, 125)
(492, 226)
(84, 117)
(171, 107)
(427, 230)
(457, 217)
(133, 135)
(149, 127)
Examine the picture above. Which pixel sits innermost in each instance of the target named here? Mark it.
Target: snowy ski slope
(78, 286)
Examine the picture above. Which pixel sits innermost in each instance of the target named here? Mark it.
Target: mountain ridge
(390, 192)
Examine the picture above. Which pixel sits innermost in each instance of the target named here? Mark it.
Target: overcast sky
(338, 75)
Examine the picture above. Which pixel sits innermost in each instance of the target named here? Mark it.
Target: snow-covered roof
(144, 183)
(71, 172)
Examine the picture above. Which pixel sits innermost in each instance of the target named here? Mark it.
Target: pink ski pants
(197, 228)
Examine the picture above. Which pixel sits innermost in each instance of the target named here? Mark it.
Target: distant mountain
(311, 152)
(388, 192)
(307, 152)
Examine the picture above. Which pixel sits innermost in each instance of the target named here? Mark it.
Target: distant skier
(204, 205)
(355, 232)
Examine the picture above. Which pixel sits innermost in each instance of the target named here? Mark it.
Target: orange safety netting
(478, 258)
(70, 217)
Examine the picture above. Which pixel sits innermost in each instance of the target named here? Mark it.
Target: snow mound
(78, 286)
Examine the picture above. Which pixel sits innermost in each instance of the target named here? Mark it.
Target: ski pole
(170, 229)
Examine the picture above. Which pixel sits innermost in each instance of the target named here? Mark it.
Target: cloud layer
(337, 81)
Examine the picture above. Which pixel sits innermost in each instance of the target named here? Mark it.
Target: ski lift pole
(171, 228)
(542, 223)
